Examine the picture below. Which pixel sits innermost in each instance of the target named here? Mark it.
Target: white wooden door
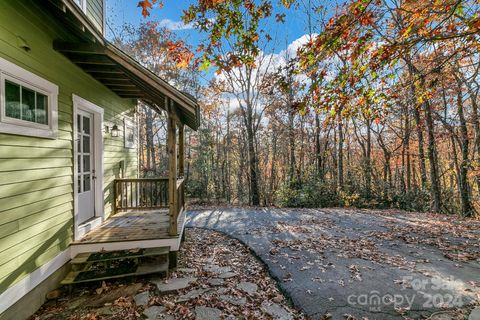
(85, 166)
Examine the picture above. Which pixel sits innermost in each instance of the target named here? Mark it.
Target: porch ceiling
(127, 78)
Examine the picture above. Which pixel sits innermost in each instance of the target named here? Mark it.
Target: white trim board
(10, 296)
(173, 243)
(82, 104)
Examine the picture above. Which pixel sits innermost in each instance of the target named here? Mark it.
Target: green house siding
(36, 175)
(95, 11)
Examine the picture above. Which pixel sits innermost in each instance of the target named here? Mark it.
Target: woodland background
(377, 106)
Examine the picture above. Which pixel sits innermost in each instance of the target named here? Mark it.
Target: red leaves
(146, 6)
(451, 27)
(475, 23)
(249, 5)
(179, 53)
(366, 19)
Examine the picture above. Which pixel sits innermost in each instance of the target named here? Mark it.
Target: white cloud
(280, 60)
(175, 25)
(266, 63)
(292, 48)
(233, 104)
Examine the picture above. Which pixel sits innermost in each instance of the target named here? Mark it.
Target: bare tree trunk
(368, 162)
(252, 157)
(407, 149)
(476, 126)
(301, 165)
(273, 166)
(455, 162)
(402, 171)
(467, 209)
(333, 168)
(227, 160)
(340, 154)
(421, 152)
(432, 158)
(419, 127)
(242, 170)
(318, 151)
(291, 139)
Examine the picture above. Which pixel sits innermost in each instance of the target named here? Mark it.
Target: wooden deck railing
(150, 194)
(147, 193)
(180, 196)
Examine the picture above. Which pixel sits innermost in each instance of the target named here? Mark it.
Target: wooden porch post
(181, 150)
(172, 168)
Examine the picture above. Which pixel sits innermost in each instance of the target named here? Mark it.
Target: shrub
(412, 200)
(350, 199)
(320, 194)
(307, 195)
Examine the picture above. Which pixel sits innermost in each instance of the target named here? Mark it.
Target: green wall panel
(36, 175)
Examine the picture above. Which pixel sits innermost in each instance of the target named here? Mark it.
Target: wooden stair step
(91, 257)
(143, 269)
(104, 265)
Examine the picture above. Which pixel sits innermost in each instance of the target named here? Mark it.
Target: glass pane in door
(84, 149)
(86, 144)
(86, 183)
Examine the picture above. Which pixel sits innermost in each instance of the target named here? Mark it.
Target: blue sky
(126, 11)
(288, 36)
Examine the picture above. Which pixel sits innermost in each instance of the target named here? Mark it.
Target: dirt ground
(224, 281)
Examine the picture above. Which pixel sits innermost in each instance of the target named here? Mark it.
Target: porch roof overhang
(117, 70)
(127, 78)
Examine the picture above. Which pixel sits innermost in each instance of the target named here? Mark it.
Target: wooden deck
(134, 226)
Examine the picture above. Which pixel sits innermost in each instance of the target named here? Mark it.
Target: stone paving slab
(207, 313)
(173, 284)
(248, 287)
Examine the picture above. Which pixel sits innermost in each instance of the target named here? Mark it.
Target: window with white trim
(28, 103)
(82, 4)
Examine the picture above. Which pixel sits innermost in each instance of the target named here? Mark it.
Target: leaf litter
(203, 253)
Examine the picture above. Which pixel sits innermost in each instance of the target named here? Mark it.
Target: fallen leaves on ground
(201, 254)
(212, 248)
(458, 238)
(345, 247)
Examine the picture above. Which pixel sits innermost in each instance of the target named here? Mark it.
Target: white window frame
(129, 124)
(13, 73)
(82, 5)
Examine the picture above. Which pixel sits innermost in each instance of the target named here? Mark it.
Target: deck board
(132, 225)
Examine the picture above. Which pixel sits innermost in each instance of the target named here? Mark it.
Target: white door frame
(80, 229)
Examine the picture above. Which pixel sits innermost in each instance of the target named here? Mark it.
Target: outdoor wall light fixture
(114, 131)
